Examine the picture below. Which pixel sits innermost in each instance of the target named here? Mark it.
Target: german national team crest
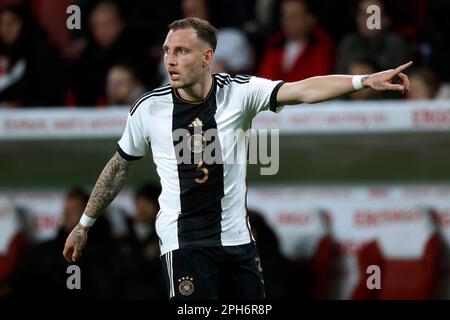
(197, 142)
(186, 286)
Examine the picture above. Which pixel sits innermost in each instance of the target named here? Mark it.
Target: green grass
(304, 159)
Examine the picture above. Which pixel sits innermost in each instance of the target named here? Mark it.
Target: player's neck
(198, 91)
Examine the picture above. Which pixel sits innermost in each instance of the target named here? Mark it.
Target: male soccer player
(205, 239)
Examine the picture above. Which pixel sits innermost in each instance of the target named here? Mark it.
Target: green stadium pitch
(304, 159)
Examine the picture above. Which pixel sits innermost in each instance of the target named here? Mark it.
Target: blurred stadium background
(363, 180)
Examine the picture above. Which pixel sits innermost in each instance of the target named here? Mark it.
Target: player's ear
(207, 57)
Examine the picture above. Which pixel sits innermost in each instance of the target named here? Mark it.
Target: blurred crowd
(116, 55)
(122, 258)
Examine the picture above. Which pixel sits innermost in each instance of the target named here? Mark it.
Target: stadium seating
(11, 240)
(410, 250)
(315, 249)
(368, 254)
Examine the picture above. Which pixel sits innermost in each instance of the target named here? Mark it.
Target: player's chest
(208, 121)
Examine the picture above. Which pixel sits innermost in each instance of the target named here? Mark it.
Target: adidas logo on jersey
(196, 123)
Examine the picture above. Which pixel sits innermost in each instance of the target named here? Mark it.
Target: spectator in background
(301, 50)
(363, 66)
(278, 274)
(261, 21)
(12, 243)
(380, 45)
(123, 86)
(151, 19)
(424, 84)
(43, 273)
(29, 67)
(52, 16)
(436, 48)
(109, 42)
(264, 14)
(139, 268)
(229, 41)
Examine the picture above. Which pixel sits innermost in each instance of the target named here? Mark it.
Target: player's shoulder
(159, 93)
(224, 79)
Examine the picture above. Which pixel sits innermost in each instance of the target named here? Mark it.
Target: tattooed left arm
(317, 89)
(110, 182)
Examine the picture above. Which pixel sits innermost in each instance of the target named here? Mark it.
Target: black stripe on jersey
(221, 80)
(125, 155)
(242, 77)
(199, 222)
(225, 80)
(221, 85)
(240, 81)
(157, 92)
(228, 77)
(222, 76)
(149, 93)
(273, 96)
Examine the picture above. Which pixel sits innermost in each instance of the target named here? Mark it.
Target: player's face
(146, 210)
(73, 209)
(10, 27)
(119, 85)
(185, 57)
(297, 22)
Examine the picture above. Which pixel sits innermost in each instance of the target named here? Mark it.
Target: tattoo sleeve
(77, 238)
(365, 78)
(110, 182)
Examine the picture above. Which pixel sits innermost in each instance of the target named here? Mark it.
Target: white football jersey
(202, 203)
